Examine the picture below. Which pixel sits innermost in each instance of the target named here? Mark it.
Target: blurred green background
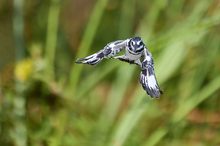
(47, 100)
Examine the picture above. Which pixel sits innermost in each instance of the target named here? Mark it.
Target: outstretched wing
(108, 51)
(147, 77)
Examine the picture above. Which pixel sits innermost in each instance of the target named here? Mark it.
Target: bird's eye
(141, 43)
(133, 43)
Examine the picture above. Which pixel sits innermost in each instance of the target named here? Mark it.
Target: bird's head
(136, 45)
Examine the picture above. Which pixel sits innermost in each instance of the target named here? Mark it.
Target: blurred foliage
(47, 100)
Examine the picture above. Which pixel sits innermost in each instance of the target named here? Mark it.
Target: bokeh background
(47, 100)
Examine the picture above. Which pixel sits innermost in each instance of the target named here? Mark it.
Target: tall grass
(104, 104)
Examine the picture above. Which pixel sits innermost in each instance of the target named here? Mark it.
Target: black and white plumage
(135, 53)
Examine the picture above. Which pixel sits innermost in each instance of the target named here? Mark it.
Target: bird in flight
(137, 53)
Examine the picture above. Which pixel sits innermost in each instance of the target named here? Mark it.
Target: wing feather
(147, 77)
(109, 51)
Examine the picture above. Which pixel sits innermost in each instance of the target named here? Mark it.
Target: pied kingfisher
(135, 53)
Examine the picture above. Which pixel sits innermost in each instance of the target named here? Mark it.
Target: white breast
(132, 56)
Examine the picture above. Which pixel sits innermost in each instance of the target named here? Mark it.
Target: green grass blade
(147, 25)
(126, 18)
(128, 121)
(87, 39)
(51, 40)
(193, 101)
(92, 80)
(156, 137)
(18, 29)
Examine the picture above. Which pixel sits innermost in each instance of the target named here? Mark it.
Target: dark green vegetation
(47, 100)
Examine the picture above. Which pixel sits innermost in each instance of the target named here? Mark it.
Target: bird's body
(135, 53)
(132, 56)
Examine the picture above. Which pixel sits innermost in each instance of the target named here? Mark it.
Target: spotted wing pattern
(108, 51)
(147, 77)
